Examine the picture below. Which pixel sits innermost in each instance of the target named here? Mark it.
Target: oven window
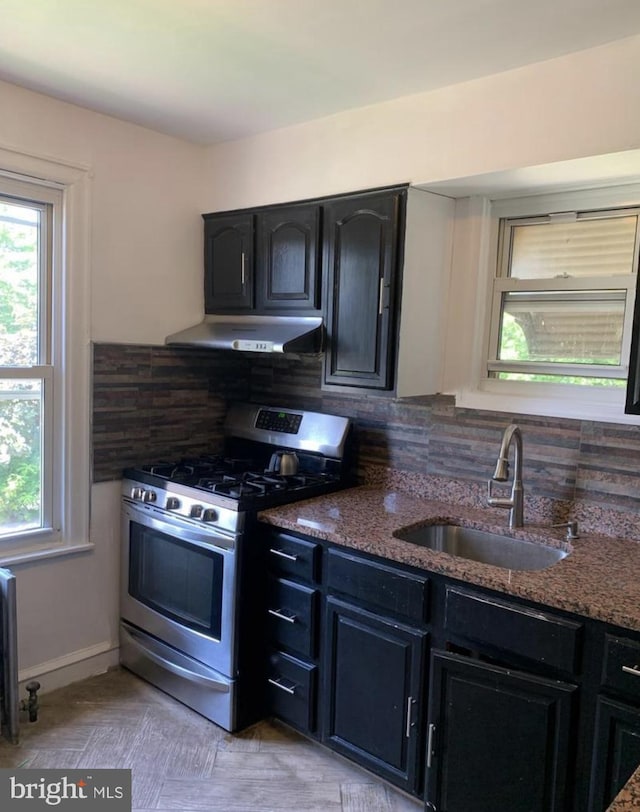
(181, 581)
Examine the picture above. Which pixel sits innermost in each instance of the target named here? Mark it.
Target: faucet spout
(515, 503)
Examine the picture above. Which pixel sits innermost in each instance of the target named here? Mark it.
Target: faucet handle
(572, 529)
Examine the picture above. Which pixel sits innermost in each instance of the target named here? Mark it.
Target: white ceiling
(215, 70)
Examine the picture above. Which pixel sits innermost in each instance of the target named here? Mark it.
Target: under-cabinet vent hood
(253, 334)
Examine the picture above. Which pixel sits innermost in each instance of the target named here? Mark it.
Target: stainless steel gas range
(188, 574)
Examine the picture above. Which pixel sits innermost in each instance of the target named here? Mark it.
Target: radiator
(9, 691)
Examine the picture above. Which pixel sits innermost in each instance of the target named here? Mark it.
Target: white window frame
(504, 283)
(478, 237)
(66, 453)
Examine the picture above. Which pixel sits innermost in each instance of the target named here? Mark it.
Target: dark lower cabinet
(371, 696)
(499, 740)
(520, 709)
(291, 690)
(616, 751)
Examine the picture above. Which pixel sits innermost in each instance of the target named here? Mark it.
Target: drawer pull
(277, 684)
(282, 554)
(635, 670)
(278, 613)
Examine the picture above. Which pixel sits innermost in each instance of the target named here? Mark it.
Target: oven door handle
(210, 540)
(174, 668)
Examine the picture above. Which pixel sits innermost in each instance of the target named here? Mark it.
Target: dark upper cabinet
(361, 262)
(228, 263)
(498, 739)
(374, 264)
(287, 260)
(281, 276)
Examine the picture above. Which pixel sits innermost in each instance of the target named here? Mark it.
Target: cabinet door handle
(282, 554)
(278, 613)
(276, 683)
(407, 730)
(431, 734)
(635, 670)
(242, 269)
(381, 297)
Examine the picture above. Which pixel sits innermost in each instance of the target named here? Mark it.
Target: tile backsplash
(151, 402)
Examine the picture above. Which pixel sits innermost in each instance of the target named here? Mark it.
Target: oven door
(179, 584)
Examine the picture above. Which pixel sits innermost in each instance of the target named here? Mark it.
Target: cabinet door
(228, 263)
(361, 258)
(287, 276)
(497, 739)
(616, 751)
(373, 672)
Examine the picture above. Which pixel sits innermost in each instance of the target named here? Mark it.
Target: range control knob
(173, 503)
(136, 493)
(210, 515)
(196, 511)
(148, 496)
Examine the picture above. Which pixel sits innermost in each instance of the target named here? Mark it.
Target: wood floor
(180, 761)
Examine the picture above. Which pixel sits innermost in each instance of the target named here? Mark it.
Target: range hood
(253, 334)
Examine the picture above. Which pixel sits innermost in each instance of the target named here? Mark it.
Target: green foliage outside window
(20, 399)
(513, 347)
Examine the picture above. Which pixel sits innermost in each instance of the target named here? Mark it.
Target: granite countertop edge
(598, 579)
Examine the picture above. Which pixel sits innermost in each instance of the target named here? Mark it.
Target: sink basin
(478, 545)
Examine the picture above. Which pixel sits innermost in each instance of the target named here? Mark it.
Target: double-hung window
(45, 400)
(562, 297)
(30, 362)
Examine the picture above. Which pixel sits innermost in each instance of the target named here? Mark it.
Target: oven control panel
(184, 505)
(285, 422)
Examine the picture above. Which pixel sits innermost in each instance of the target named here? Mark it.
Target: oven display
(285, 422)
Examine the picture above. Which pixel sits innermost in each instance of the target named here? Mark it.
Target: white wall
(147, 231)
(579, 105)
(145, 275)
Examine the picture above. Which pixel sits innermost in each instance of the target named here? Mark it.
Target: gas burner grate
(189, 470)
(258, 483)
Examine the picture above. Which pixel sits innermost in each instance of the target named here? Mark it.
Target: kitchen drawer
(526, 633)
(380, 586)
(291, 690)
(292, 616)
(621, 666)
(293, 557)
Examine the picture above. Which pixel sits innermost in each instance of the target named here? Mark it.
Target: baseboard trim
(76, 665)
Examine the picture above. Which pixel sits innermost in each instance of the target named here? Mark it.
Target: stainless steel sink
(489, 548)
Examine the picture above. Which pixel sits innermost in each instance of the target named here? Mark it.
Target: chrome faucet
(515, 503)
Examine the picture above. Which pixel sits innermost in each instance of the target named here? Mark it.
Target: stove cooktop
(244, 481)
(242, 477)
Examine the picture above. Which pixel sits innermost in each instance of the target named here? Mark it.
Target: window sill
(28, 553)
(548, 400)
